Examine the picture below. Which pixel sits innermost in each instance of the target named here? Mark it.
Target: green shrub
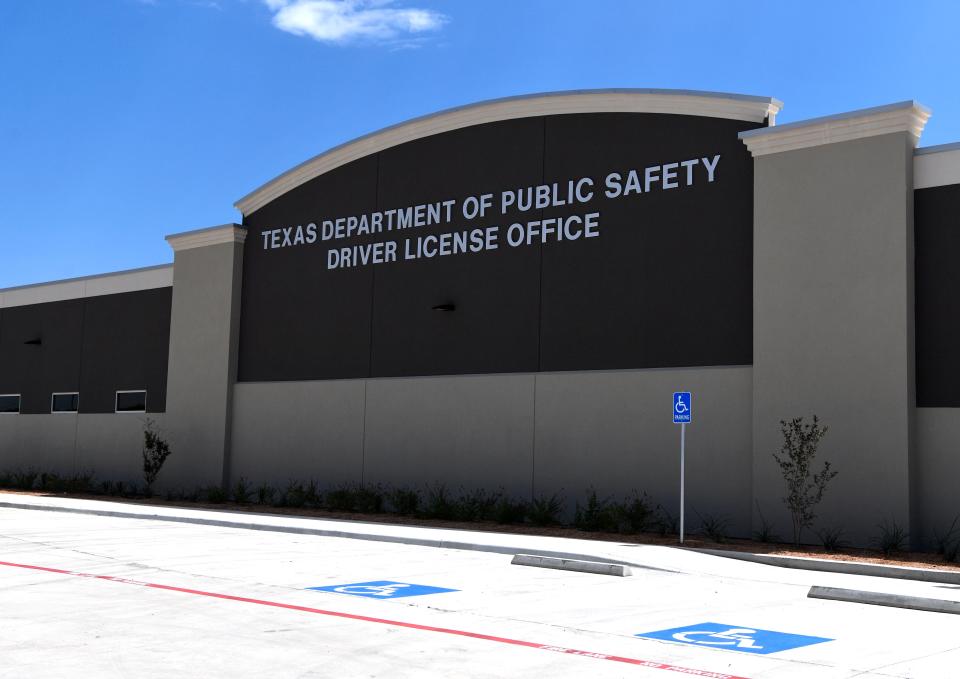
(363, 499)
(312, 495)
(342, 499)
(713, 526)
(804, 488)
(295, 495)
(80, 483)
(665, 522)
(508, 510)
(476, 505)
(945, 540)
(952, 553)
(635, 513)
(369, 499)
(405, 501)
(155, 453)
(217, 494)
(51, 482)
(545, 511)
(832, 539)
(242, 492)
(54, 483)
(265, 494)
(111, 487)
(439, 503)
(597, 515)
(948, 542)
(765, 532)
(24, 480)
(892, 538)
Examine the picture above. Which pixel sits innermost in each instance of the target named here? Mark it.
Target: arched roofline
(680, 102)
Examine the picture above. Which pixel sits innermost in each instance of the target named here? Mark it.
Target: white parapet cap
(679, 102)
(936, 166)
(904, 116)
(214, 235)
(133, 280)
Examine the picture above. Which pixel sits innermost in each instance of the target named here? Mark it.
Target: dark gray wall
(937, 219)
(94, 345)
(666, 284)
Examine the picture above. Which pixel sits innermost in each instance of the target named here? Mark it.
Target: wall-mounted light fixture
(37, 341)
(444, 307)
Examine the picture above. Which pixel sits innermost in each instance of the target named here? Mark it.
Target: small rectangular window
(68, 402)
(131, 401)
(9, 404)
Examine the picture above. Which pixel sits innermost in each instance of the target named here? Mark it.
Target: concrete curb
(846, 567)
(595, 567)
(859, 596)
(324, 532)
(851, 568)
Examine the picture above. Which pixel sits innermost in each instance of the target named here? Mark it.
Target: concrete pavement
(108, 596)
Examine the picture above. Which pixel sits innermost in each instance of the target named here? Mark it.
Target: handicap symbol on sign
(382, 589)
(733, 638)
(682, 407)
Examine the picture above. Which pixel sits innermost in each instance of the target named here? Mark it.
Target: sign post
(682, 415)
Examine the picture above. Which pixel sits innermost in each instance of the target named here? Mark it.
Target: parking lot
(123, 597)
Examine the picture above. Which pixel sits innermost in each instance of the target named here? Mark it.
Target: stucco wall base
(528, 435)
(937, 483)
(107, 446)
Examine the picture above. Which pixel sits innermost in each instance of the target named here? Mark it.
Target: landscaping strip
(847, 567)
(383, 532)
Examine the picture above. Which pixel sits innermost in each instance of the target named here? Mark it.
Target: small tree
(155, 453)
(800, 443)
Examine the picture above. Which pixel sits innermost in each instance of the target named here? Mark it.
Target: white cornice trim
(936, 166)
(680, 102)
(89, 286)
(905, 116)
(214, 235)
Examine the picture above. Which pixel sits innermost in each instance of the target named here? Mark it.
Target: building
(505, 295)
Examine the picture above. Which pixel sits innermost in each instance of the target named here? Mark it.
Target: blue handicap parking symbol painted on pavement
(383, 589)
(732, 638)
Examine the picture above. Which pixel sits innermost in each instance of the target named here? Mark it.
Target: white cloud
(344, 21)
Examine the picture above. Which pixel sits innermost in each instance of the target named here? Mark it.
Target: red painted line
(652, 664)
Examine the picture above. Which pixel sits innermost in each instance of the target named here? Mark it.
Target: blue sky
(123, 121)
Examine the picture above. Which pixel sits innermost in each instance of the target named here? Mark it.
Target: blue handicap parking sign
(383, 589)
(682, 407)
(733, 638)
